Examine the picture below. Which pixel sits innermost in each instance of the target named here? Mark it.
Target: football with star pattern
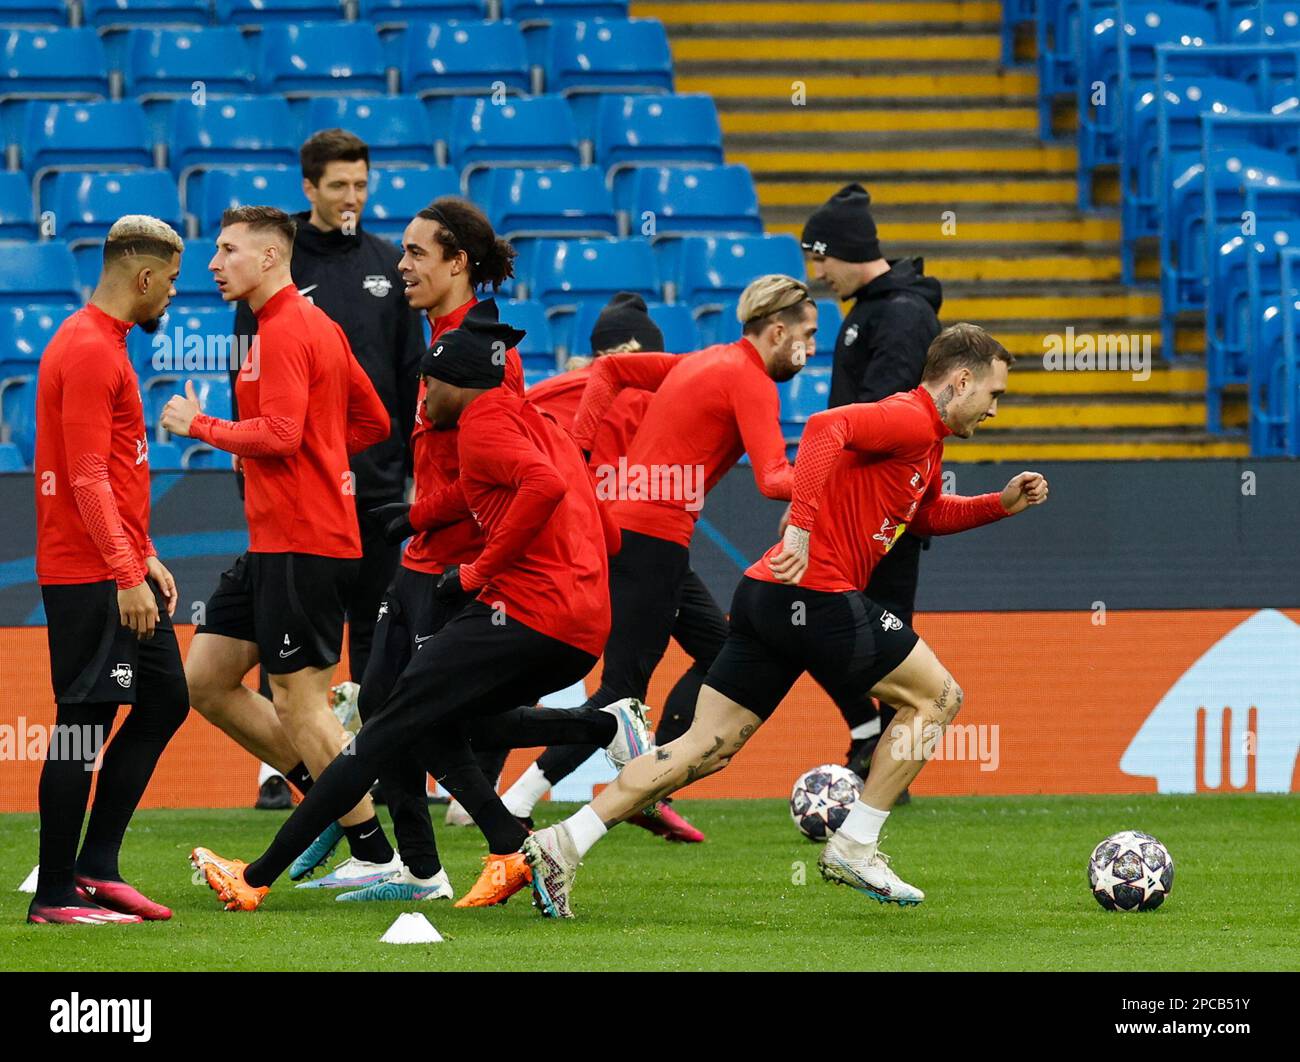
(1131, 871)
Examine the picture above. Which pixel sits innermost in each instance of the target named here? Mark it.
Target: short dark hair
(965, 346)
(262, 219)
(464, 227)
(331, 145)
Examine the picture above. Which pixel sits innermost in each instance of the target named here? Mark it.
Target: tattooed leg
(927, 699)
(720, 730)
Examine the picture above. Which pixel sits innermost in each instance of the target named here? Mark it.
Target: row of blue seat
(115, 14)
(260, 131)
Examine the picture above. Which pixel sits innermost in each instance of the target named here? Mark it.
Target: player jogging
(536, 617)
(306, 406)
(708, 408)
(864, 473)
(108, 599)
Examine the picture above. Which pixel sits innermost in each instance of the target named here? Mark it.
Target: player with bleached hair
(864, 473)
(108, 599)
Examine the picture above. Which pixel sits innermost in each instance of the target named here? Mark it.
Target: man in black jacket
(352, 276)
(880, 351)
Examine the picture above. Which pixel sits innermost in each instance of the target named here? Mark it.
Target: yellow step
(961, 452)
(1161, 381)
(1048, 414)
(1017, 232)
(785, 49)
(1131, 304)
(802, 120)
(948, 86)
(1044, 159)
(1031, 344)
(812, 194)
(1024, 268)
(802, 11)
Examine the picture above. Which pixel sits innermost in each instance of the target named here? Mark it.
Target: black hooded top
(354, 279)
(882, 344)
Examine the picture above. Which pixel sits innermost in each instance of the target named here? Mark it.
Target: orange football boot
(502, 877)
(225, 877)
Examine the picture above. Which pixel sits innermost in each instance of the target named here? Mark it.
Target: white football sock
(865, 730)
(522, 797)
(585, 828)
(863, 823)
(264, 772)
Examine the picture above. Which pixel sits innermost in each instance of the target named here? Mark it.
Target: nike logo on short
(420, 640)
(283, 654)
(308, 289)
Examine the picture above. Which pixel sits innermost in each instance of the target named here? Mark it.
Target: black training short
(96, 660)
(846, 642)
(292, 605)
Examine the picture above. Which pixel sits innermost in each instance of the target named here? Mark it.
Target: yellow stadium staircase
(908, 97)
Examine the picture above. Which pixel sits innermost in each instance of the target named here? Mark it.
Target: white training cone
(29, 882)
(411, 929)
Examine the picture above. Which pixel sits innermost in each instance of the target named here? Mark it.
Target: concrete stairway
(908, 97)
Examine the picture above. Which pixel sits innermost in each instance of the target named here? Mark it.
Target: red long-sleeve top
(545, 554)
(708, 408)
(308, 406)
(445, 532)
(92, 457)
(561, 395)
(864, 474)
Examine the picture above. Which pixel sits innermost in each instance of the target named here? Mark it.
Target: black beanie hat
(472, 355)
(843, 227)
(625, 318)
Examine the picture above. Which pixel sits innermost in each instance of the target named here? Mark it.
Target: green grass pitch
(1005, 881)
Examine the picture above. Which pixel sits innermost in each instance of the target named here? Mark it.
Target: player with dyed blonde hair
(108, 599)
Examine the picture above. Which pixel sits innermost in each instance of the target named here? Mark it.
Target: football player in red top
(306, 407)
(864, 473)
(108, 599)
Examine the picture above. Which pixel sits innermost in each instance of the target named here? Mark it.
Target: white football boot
(554, 860)
(866, 868)
(631, 734)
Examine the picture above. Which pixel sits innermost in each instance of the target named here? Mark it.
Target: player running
(108, 599)
(864, 474)
(708, 408)
(450, 251)
(306, 407)
(625, 327)
(537, 611)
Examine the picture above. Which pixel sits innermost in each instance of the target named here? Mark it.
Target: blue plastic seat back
(67, 63)
(278, 186)
(321, 57)
(459, 57)
(37, 273)
(714, 268)
(609, 54)
(695, 199)
(87, 204)
(570, 271)
(395, 128)
(169, 61)
(549, 201)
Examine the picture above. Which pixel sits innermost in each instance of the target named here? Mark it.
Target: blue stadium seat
(1286, 97)
(34, 14)
(121, 14)
(395, 128)
(1015, 13)
(538, 344)
(656, 130)
(1057, 46)
(564, 201)
(213, 390)
(567, 271)
(188, 341)
(279, 186)
(1280, 23)
(803, 395)
(715, 268)
(521, 132)
(166, 62)
(830, 319)
(53, 64)
(1116, 58)
(694, 199)
(195, 288)
(164, 457)
(459, 58)
(17, 218)
(84, 136)
(11, 458)
(18, 414)
(36, 273)
(396, 196)
(239, 131)
(322, 58)
(25, 332)
(393, 12)
(566, 9)
(266, 12)
(614, 55)
(202, 456)
(675, 322)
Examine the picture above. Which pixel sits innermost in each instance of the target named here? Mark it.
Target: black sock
(368, 841)
(527, 728)
(300, 777)
(466, 783)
